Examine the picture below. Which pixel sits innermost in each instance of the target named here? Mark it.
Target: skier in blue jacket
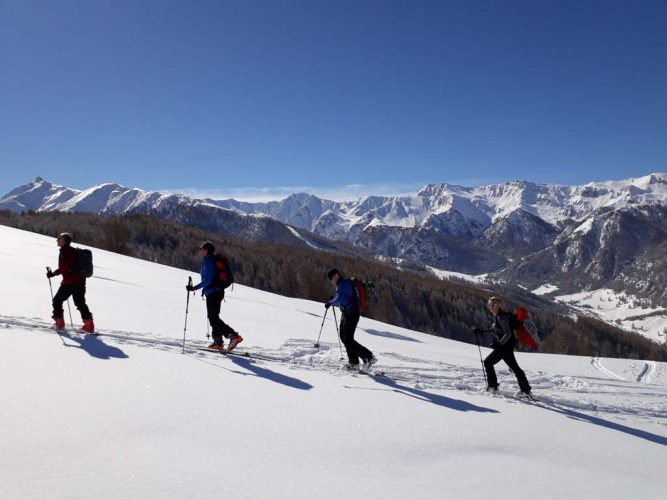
(346, 300)
(214, 294)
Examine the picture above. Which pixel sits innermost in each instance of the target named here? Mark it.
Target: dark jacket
(503, 328)
(68, 263)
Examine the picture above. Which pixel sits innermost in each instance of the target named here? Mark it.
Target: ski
(83, 332)
(225, 352)
(528, 398)
(241, 354)
(361, 371)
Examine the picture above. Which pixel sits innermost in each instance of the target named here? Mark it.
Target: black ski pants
(218, 327)
(506, 353)
(78, 292)
(348, 325)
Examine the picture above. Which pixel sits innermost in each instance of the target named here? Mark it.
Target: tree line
(402, 298)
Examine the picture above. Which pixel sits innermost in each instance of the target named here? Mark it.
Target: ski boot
(369, 363)
(59, 325)
(88, 327)
(234, 341)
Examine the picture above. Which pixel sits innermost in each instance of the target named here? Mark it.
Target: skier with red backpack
(73, 284)
(348, 300)
(216, 276)
(504, 326)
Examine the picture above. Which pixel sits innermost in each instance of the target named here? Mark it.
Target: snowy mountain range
(140, 412)
(598, 234)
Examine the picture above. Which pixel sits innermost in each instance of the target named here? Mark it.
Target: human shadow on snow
(258, 371)
(390, 335)
(94, 346)
(577, 415)
(453, 404)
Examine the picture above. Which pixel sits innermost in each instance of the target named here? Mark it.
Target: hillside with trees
(404, 298)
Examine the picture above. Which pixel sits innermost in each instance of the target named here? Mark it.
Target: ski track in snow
(415, 375)
(597, 364)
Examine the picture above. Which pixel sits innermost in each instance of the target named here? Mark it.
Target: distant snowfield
(128, 415)
(618, 309)
(622, 310)
(545, 289)
(472, 278)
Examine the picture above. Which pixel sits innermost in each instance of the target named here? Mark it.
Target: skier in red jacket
(73, 284)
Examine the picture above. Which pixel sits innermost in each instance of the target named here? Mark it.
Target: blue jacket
(207, 272)
(346, 296)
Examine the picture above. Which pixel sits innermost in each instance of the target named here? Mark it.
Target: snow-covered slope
(628, 312)
(128, 415)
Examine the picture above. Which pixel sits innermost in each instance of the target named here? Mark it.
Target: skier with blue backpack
(216, 276)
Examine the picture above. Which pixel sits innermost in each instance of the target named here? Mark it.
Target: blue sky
(261, 98)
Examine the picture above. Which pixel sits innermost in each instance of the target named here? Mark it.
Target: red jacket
(67, 266)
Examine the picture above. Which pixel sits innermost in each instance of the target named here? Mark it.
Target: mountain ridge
(474, 230)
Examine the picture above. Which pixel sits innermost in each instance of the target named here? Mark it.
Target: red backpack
(526, 332)
(362, 291)
(223, 272)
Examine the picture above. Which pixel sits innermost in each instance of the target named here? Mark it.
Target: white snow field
(622, 310)
(127, 415)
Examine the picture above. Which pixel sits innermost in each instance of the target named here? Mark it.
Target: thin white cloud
(276, 193)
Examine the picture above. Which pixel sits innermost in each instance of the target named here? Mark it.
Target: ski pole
(71, 323)
(208, 326)
(317, 344)
(48, 269)
(187, 307)
(338, 332)
(480, 355)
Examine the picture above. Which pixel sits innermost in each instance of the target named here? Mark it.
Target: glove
(50, 274)
(477, 330)
(190, 288)
(327, 305)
